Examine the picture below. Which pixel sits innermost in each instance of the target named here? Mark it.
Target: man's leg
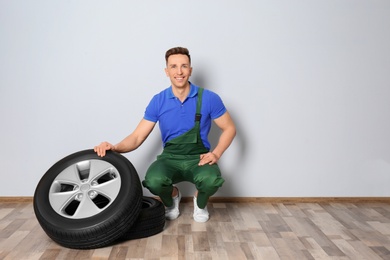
(207, 180)
(159, 179)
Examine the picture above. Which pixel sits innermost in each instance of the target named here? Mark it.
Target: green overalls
(179, 162)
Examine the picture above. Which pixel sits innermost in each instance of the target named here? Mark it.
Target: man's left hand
(208, 158)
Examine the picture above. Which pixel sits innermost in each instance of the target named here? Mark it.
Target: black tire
(151, 220)
(85, 201)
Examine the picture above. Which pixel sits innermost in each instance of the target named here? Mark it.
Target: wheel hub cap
(85, 187)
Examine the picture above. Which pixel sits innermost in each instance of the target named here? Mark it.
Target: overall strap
(198, 115)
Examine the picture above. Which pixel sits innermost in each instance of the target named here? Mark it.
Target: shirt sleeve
(151, 113)
(217, 107)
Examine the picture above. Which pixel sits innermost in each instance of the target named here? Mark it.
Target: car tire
(85, 201)
(151, 220)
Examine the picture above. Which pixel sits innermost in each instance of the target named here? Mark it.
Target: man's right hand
(102, 148)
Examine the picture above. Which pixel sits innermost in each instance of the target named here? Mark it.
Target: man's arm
(131, 142)
(226, 124)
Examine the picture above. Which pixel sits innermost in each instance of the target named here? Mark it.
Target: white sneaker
(200, 215)
(173, 212)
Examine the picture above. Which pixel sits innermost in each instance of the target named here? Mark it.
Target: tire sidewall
(151, 220)
(149, 207)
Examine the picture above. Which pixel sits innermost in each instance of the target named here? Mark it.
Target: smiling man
(185, 113)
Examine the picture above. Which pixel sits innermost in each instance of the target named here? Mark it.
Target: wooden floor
(235, 231)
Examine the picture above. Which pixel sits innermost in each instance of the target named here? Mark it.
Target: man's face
(178, 70)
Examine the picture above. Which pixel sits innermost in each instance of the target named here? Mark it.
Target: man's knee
(156, 184)
(208, 183)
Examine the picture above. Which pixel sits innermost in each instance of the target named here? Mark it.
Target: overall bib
(179, 162)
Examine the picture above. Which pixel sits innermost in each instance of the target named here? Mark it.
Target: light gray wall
(307, 83)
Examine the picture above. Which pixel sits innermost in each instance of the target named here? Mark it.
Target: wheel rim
(85, 189)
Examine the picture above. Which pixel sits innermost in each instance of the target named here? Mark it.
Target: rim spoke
(69, 175)
(98, 168)
(110, 188)
(60, 199)
(86, 208)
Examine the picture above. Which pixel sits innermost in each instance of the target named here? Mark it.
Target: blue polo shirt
(176, 118)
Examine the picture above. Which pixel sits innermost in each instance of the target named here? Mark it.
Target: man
(185, 113)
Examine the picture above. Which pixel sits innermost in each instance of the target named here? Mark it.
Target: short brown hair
(177, 50)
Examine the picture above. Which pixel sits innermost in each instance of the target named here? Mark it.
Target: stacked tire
(85, 201)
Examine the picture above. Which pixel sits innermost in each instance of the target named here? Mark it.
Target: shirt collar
(193, 91)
